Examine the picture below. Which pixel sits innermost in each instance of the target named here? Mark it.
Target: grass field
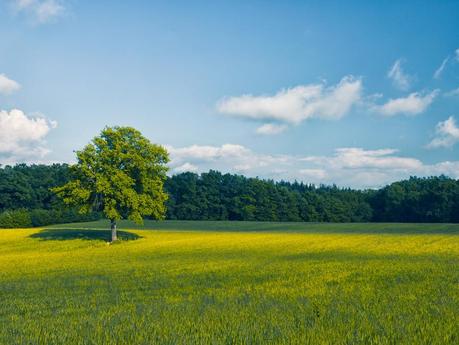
(230, 283)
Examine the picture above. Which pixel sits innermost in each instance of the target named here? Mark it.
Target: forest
(26, 199)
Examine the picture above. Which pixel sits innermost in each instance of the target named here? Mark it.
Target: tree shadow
(82, 234)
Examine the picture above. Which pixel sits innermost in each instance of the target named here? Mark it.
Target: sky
(354, 93)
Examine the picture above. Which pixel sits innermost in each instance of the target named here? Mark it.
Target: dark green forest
(26, 199)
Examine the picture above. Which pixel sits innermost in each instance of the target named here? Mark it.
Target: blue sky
(356, 93)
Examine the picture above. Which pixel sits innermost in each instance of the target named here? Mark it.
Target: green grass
(243, 226)
(230, 283)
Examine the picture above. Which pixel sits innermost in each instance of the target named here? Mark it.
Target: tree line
(26, 199)
(217, 196)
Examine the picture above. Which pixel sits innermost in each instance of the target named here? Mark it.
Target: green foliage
(216, 196)
(42, 217)
(28, 186)
(15, 219)
(432, 200)
(23, 218)
(120, 173)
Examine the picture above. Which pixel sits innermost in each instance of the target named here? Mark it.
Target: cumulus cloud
(271, 129)
(350, 166)
(358, 158)
(42, 11)
(186, 167)
(415, 103)
(208, 153)
(227, 157)
(22, 138)
(7, 85)
(440, 69)
(399, 78)
(357, 167)
(447, 134)
(297, 104)
(448, 168)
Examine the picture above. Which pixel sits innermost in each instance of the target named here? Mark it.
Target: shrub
(39, 217)
(15, 219)
(42, 217)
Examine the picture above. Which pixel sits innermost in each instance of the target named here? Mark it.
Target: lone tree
(120, 173)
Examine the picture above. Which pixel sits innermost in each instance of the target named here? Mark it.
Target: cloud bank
(350, 166)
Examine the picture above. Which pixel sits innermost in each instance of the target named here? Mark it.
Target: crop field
(178, 282)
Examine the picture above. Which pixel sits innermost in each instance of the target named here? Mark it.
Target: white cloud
(22, 137)
(415, 103)
(440, 69)
(447, 134)
(447, 168)
(7, 85)
(453, 93)
(297, 104)
(186, 167)
(271, 129)
(353, 167)
(399, 78)
(42, 11)
(357, 167)
(358, 158)
(208, 153)
(227, 157)
(315, 174)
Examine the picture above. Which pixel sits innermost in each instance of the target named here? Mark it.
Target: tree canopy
(217, 196)
(120, 173)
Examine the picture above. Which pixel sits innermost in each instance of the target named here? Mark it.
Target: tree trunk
(113, 227)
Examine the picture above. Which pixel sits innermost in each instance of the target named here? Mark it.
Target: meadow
(179, 282)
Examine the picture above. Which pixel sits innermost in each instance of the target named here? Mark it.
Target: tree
(120, 173)
(216, 196)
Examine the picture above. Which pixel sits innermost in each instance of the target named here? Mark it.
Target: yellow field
(69, 286)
